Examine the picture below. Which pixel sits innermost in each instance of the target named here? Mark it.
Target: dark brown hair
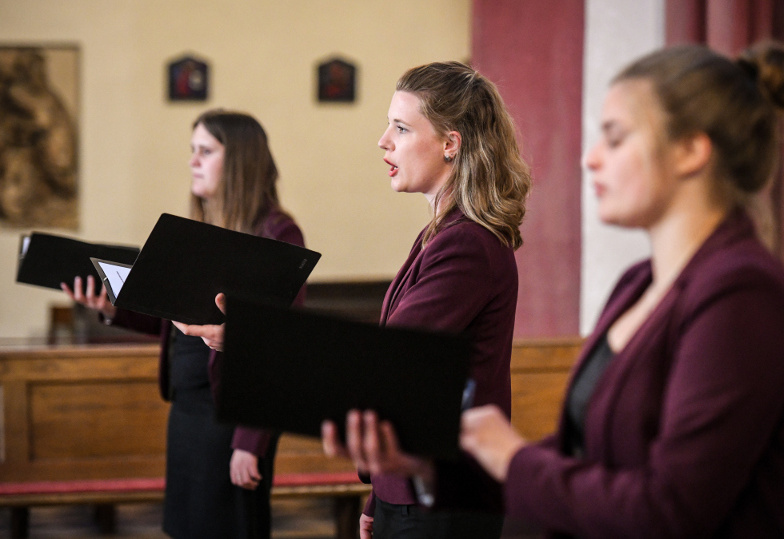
(733, 102)
(489, 181)
(247, 190)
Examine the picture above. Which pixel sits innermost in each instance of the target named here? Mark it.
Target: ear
(452, 143)
(692, 154)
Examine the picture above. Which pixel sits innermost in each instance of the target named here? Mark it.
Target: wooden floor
(292, 519)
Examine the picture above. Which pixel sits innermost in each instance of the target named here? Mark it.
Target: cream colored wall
(262, 55)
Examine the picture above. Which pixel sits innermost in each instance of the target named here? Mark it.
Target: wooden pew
(540, 371)
(84, 424)
(71, 414)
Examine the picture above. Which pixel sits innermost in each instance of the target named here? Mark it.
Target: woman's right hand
(86, 296)
(365, 527)
(485, 433)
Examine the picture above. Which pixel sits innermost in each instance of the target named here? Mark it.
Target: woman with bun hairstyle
(218, 476)
(673, 423)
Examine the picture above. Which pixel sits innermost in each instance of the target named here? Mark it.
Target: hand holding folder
(184, 264)
(211, 334)
(289, 370)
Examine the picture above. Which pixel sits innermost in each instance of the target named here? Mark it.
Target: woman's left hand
(211, 334)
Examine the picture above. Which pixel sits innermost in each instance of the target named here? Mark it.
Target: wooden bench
(344, 489)
(76, 415)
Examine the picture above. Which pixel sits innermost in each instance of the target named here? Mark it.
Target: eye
(614, 137)
(401, 129)
(614, 133)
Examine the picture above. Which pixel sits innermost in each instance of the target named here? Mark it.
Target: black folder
(184, 264)
(289, 369)
(47, 260)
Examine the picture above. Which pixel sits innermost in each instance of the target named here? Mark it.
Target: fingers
(67, 291)
(244, 470)
(211, 335)
(220, 301)
(184, 328)
(86, 295)
(245, 481)
(90, 290)
(355, 439)
(330, 442)
(365, 527)
(77, 295)
(372, 443)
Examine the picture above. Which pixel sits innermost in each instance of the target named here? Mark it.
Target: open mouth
(392, 168)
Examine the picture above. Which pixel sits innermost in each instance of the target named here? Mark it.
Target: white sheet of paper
(116, 276)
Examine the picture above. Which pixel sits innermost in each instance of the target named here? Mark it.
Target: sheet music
(116, 276)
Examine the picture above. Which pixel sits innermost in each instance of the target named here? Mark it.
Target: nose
(385, 142)
(592, 158)
(194, 160)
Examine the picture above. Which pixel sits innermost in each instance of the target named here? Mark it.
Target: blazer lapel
(399, 284)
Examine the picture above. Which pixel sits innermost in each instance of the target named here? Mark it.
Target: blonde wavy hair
(489, 181)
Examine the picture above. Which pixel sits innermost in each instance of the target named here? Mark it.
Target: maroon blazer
(277, 226)
(464, 281)
(684, 434)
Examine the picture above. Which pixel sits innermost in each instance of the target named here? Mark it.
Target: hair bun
(764, 63)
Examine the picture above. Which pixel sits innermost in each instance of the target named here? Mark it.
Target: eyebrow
(399, 121)
(609, 126)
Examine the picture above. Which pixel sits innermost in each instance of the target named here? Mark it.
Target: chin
(611, 219)
(398, 187)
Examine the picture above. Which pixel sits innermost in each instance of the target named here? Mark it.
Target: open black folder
(289, 369)
(184, 264)
(47, 260)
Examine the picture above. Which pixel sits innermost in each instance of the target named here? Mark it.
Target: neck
(676, 238)
(443, 203)
(212, 212)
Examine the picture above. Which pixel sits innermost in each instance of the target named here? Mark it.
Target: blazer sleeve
(719, 415)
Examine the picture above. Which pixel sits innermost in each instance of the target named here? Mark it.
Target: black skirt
(200, 499)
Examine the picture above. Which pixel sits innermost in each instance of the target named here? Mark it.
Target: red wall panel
(533, 51)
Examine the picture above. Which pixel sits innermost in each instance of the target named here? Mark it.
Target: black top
(580, 394)
(189, 373)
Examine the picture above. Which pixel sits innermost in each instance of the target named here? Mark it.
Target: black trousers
(392, 521)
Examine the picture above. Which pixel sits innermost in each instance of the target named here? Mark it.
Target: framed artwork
(337, 81)
(188, 79)
(39, 108)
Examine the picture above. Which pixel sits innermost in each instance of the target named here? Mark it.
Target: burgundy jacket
(464, 281)
(277, 226)
(684, 434)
